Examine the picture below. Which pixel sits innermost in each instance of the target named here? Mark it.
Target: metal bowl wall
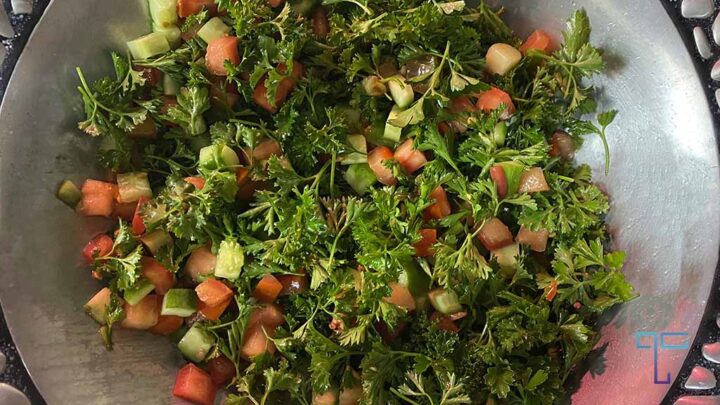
(664, 184)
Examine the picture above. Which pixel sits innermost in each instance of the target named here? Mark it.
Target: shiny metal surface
(664, 184)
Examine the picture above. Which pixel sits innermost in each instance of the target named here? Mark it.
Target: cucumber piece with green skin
(401, 92)
(155, 240)
(137, 292)
(445, 301)
(132, 186)
(230, 260)
(357, 150)
(148, 46)
(213, 29)
(177, 336)
(499, 133)
(196, 344)
(416, 280)
(507, 257)
(96, 307)
(172, 34)
(69, 193)
(179, 302)
(170, 86)
(163, 12)
(391, 131)
(513, 172)
(360, 177)
(218, 156)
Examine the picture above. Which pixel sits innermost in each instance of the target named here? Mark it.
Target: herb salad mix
(352, 201)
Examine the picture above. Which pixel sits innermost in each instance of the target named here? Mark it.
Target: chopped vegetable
(193, 384)
(133, 186)
(494, 99)
(441, 206)
(539, 41)
(213, 292)
(401, 297)
(179, 302)
(445, 301)
(161, 277)
(537, 240)
(201, 263)
(267, 289)
(501, 58)
(98, 198)
(409, 158)
(533, 181)
(143, 315)
(148, 46)
(220, 51)
(214, 29)
(97, 306)
(99, 246)
(494, 234)
(424, 247)
(377, 159)
(196, 344)
(167, 325)
(69, 193)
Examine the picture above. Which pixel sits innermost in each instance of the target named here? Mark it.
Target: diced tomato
(275, 3)
(552, 290)
(268, 314)
(536, 240)
(497, 174)
(462, 104)
(242, 175)
(187, 8)
(444, 322)
(167, 325)
(213, 292)
(200, 263)
(320, 25)
(441, 208)
(255, 341)
(390, 335)
(268, 289)
(265, 149)
(195, 385)
(221, 370)
(143, 315)
(409, 158)
(562, 145)
(98, 198)
(168, 103)
(495, 234)
(124, 211)
(533, 181)
(539, 41)
(162, 278)
(221, 50)
(444, 128)
(292, 284)
(152, 76)
(492, 100)
(213, 312)
(424, 247)
(197, 181)
(138, 225)
(401, 297)
(376, 159)
(99, 246)
(284, 88)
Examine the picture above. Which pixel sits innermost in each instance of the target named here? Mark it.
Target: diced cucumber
(163, 12)
(170, 86)
(218, 156)
(499, 133)
(213, 29)
(177, 336)
(172, 34)
(179, 302)
(360, 177)
(507, 256)
(445, 301)
(414, 278)
(69, 193)
(230, 260)
(156, 239)
(148, 46)
(402, 93)
(196, 344)
(132, 186)
(137, 292)
(513, 172)
(96, 307)
(357, 150)
(391, 131)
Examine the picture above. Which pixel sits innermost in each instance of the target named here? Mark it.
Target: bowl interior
(663, 185)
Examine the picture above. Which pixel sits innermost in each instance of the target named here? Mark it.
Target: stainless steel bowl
(663, 183)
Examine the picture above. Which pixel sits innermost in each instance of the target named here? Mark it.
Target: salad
(351, 201)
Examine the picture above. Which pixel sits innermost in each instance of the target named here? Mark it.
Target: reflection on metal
(696, 8)
(702, 43)
(698, 400)
(711, 352)
(11, 396)
(700, 379)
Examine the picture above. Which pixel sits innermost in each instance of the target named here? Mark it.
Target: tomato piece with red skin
(195, 385)
(186, 8)
(494, 234)
(219, 51)
(441, 208)
(138, 225)
(376, 159)
(162, 278)
(221, 370)
(284, 88)
(197, 182)
(497, 174)
(539, 40)
(424, 247)
(409, 158)
(267, 289)
(492, 99)
(99, 246)
(213, 292)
